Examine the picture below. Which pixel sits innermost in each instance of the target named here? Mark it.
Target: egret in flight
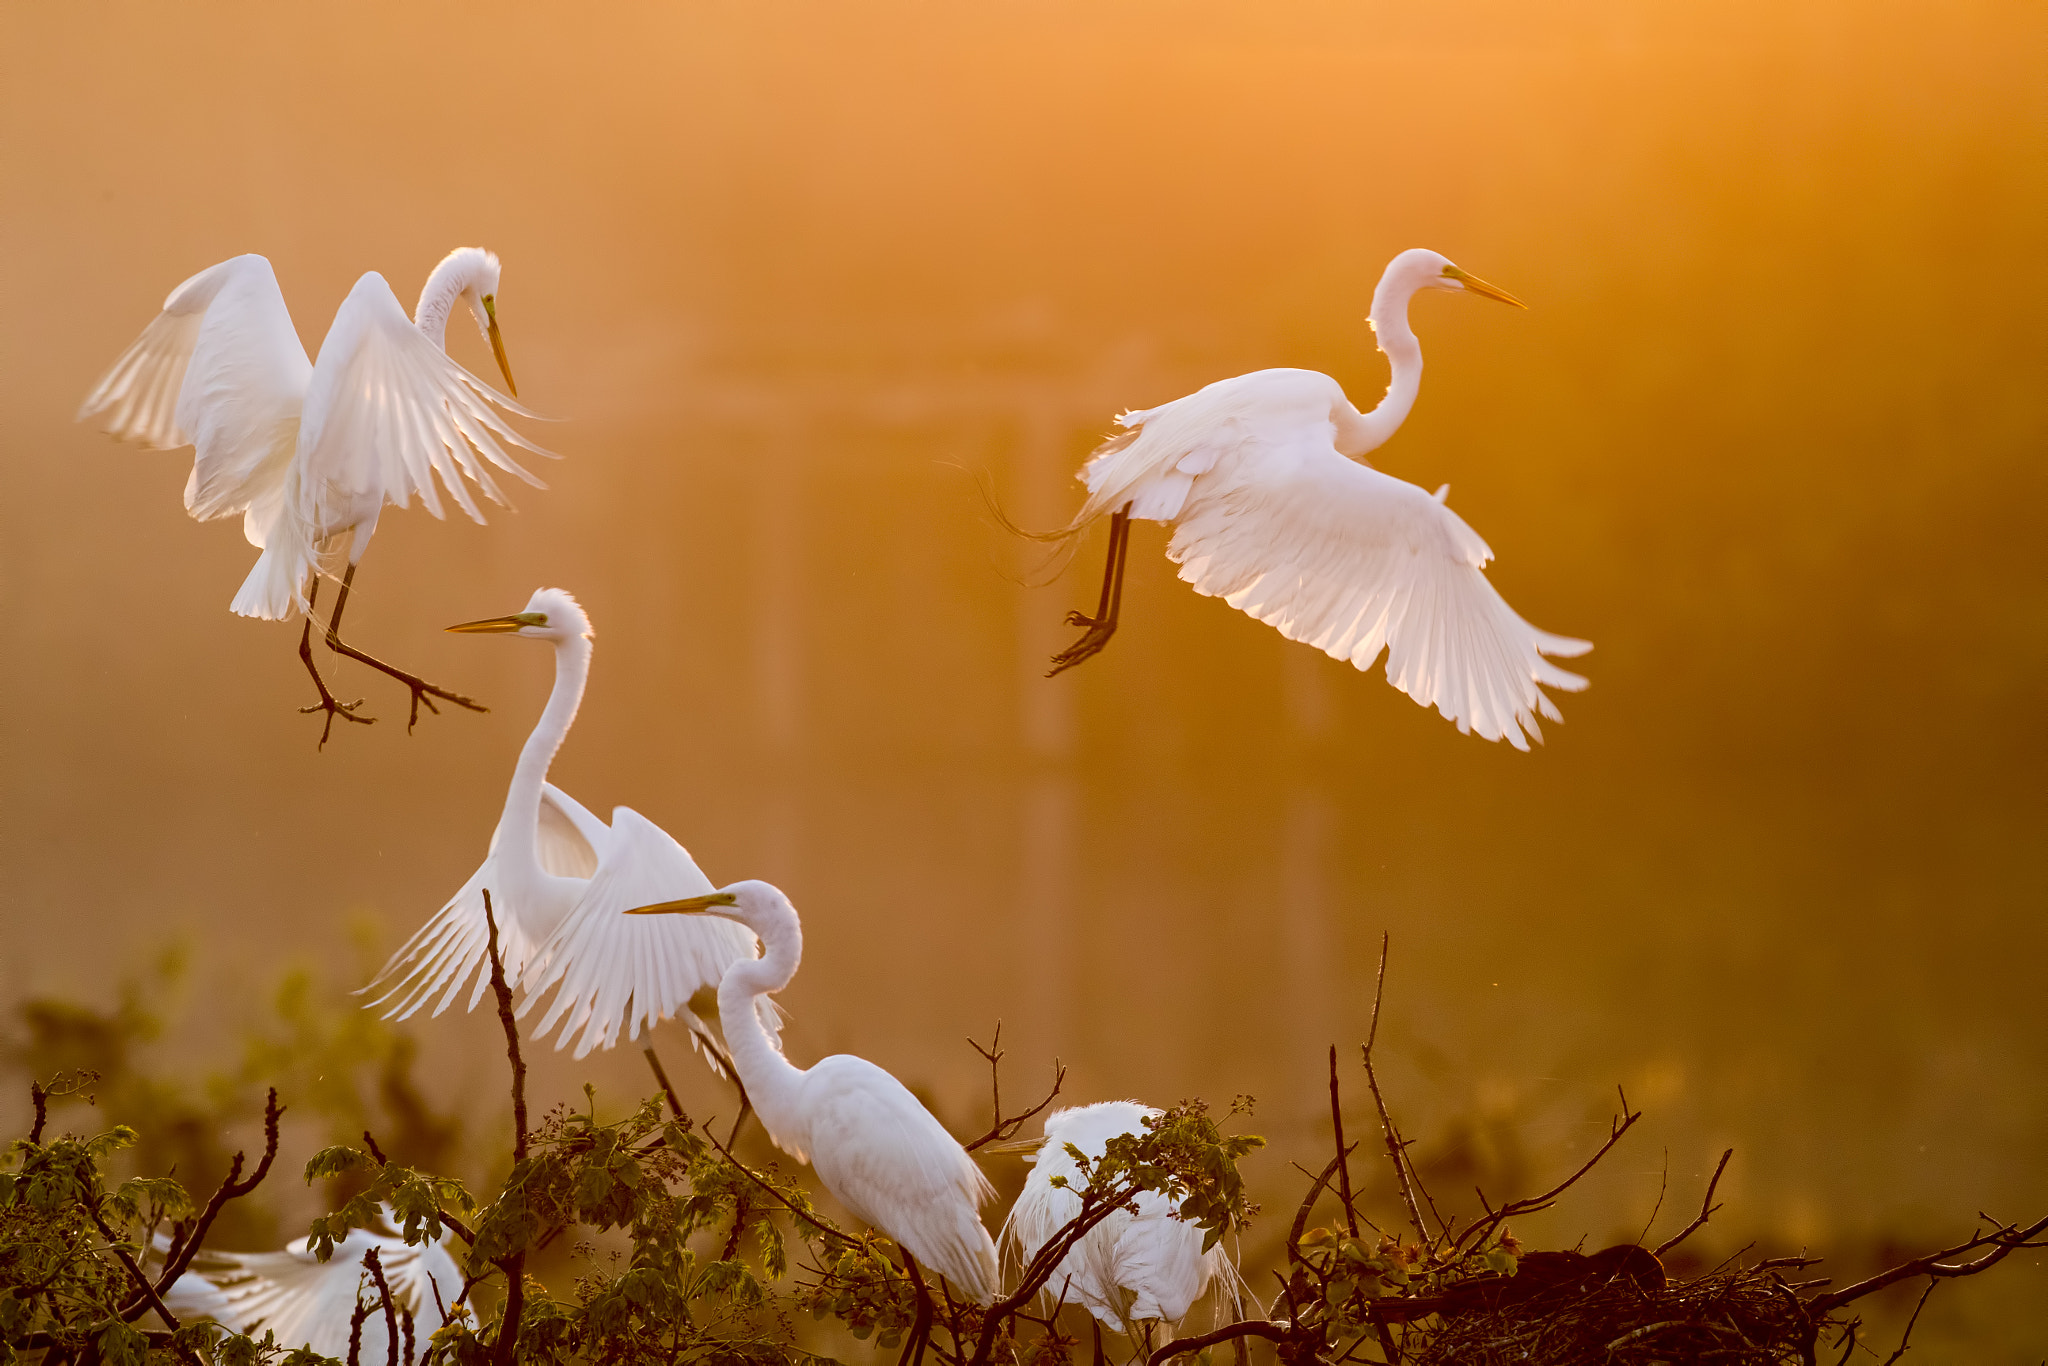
(1132, 1268)
(561, 882)
(1274, 510)
(876, 1148)
(309, 454)
(308, 1303)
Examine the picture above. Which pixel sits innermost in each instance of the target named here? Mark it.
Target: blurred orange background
(1771, 435)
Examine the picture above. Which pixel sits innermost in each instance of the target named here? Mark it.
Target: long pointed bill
(689, 905)
(1480, 287)
(499, 626)
(498, 343)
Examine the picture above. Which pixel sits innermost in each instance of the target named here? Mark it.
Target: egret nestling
(309, 1303)
(1130, 1270)
(561, 881)
(309, 454)
(878, 1150)
(1274, 511)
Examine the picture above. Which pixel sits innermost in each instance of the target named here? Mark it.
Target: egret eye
(531, 618)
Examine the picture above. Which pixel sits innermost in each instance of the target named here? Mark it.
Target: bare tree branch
(1002, 1130)
(1396, 1150)
(1707, 1208)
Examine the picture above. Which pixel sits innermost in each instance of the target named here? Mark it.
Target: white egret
(1274, 511)
(561, 881)
(308, 1303)
(1130, 1269)
(309, 454)
(876, 1148)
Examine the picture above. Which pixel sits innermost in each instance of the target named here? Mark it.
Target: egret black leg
(327, 702)
(921, 1327)
(1102, 625)
(422, 691)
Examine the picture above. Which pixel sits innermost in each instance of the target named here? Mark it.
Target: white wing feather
(895, 1167)
(220, 369)
(309, 1303)
(1268, 516)
(387, 411)
(616, 973)
(443, 954)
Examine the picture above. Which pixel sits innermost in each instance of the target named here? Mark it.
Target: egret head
(551, 615)
(472, 273)
(760, 906)
(1421, 268)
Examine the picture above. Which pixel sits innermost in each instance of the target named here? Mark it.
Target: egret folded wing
(1352, 561)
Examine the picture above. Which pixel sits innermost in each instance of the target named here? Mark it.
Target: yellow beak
(689, 905)
(491, 626)
(1480, 287)
(498, 343)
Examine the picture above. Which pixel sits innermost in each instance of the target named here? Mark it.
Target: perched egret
(1129, 1269)
(308, 1303)
(878, 1150)
(1274, 511)
(310, 454)
(561, 881)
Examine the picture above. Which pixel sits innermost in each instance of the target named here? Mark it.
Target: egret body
(1275, 510)
(876, 1148)
(561, 881)
(310, 453)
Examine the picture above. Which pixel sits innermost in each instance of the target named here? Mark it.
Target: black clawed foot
(345, 710)
(423, 695)
(1086, 648)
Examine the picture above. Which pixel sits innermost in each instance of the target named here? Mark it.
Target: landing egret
(309, 454)
(878, 1150)
(308, 1303)
(1274, 511)
(561, 881)
(1130, 1269)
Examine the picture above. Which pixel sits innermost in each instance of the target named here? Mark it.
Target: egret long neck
(1404, 359)
(437, 299)
(770, 1078)
(522, 801)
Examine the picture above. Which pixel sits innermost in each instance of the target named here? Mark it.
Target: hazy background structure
(1771, 435)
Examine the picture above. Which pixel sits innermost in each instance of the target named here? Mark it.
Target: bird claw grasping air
(345, 710)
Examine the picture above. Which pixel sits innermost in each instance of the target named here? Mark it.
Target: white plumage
(561, 881)
(1274, 511)
(307, 451)
(876, 1148)
(308, 1303)
(1130, 1267)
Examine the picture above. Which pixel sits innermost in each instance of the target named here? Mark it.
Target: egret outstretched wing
(220, 369)
(443, 953)
(886, 1157)
(615, 973)
(387, 410)
(306, 1302)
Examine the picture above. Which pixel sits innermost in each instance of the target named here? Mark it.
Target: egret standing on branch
(309, 454)
(561, 882)
(1131, 1269)
(1274, 511)
(878, 1150)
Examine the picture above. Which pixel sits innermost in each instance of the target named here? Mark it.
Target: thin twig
(1003, 1129)
(1707, 1208)
(1248, 1328)
(2003, 1241)
(374, 1264)
(778, 1196)
(41, 1100)
(514, 1265)
(1395, 1150)
(675, 1107)
(1907, 1336)
(1343, 1153)
(375, 1151)
(187, 1244)
(1513, 1208)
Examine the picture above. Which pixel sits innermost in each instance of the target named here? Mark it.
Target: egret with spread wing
(309, 1303)
(561, 882)
(1275, 511)
(1131, 1269)
(310, 454)
(876, 1148)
